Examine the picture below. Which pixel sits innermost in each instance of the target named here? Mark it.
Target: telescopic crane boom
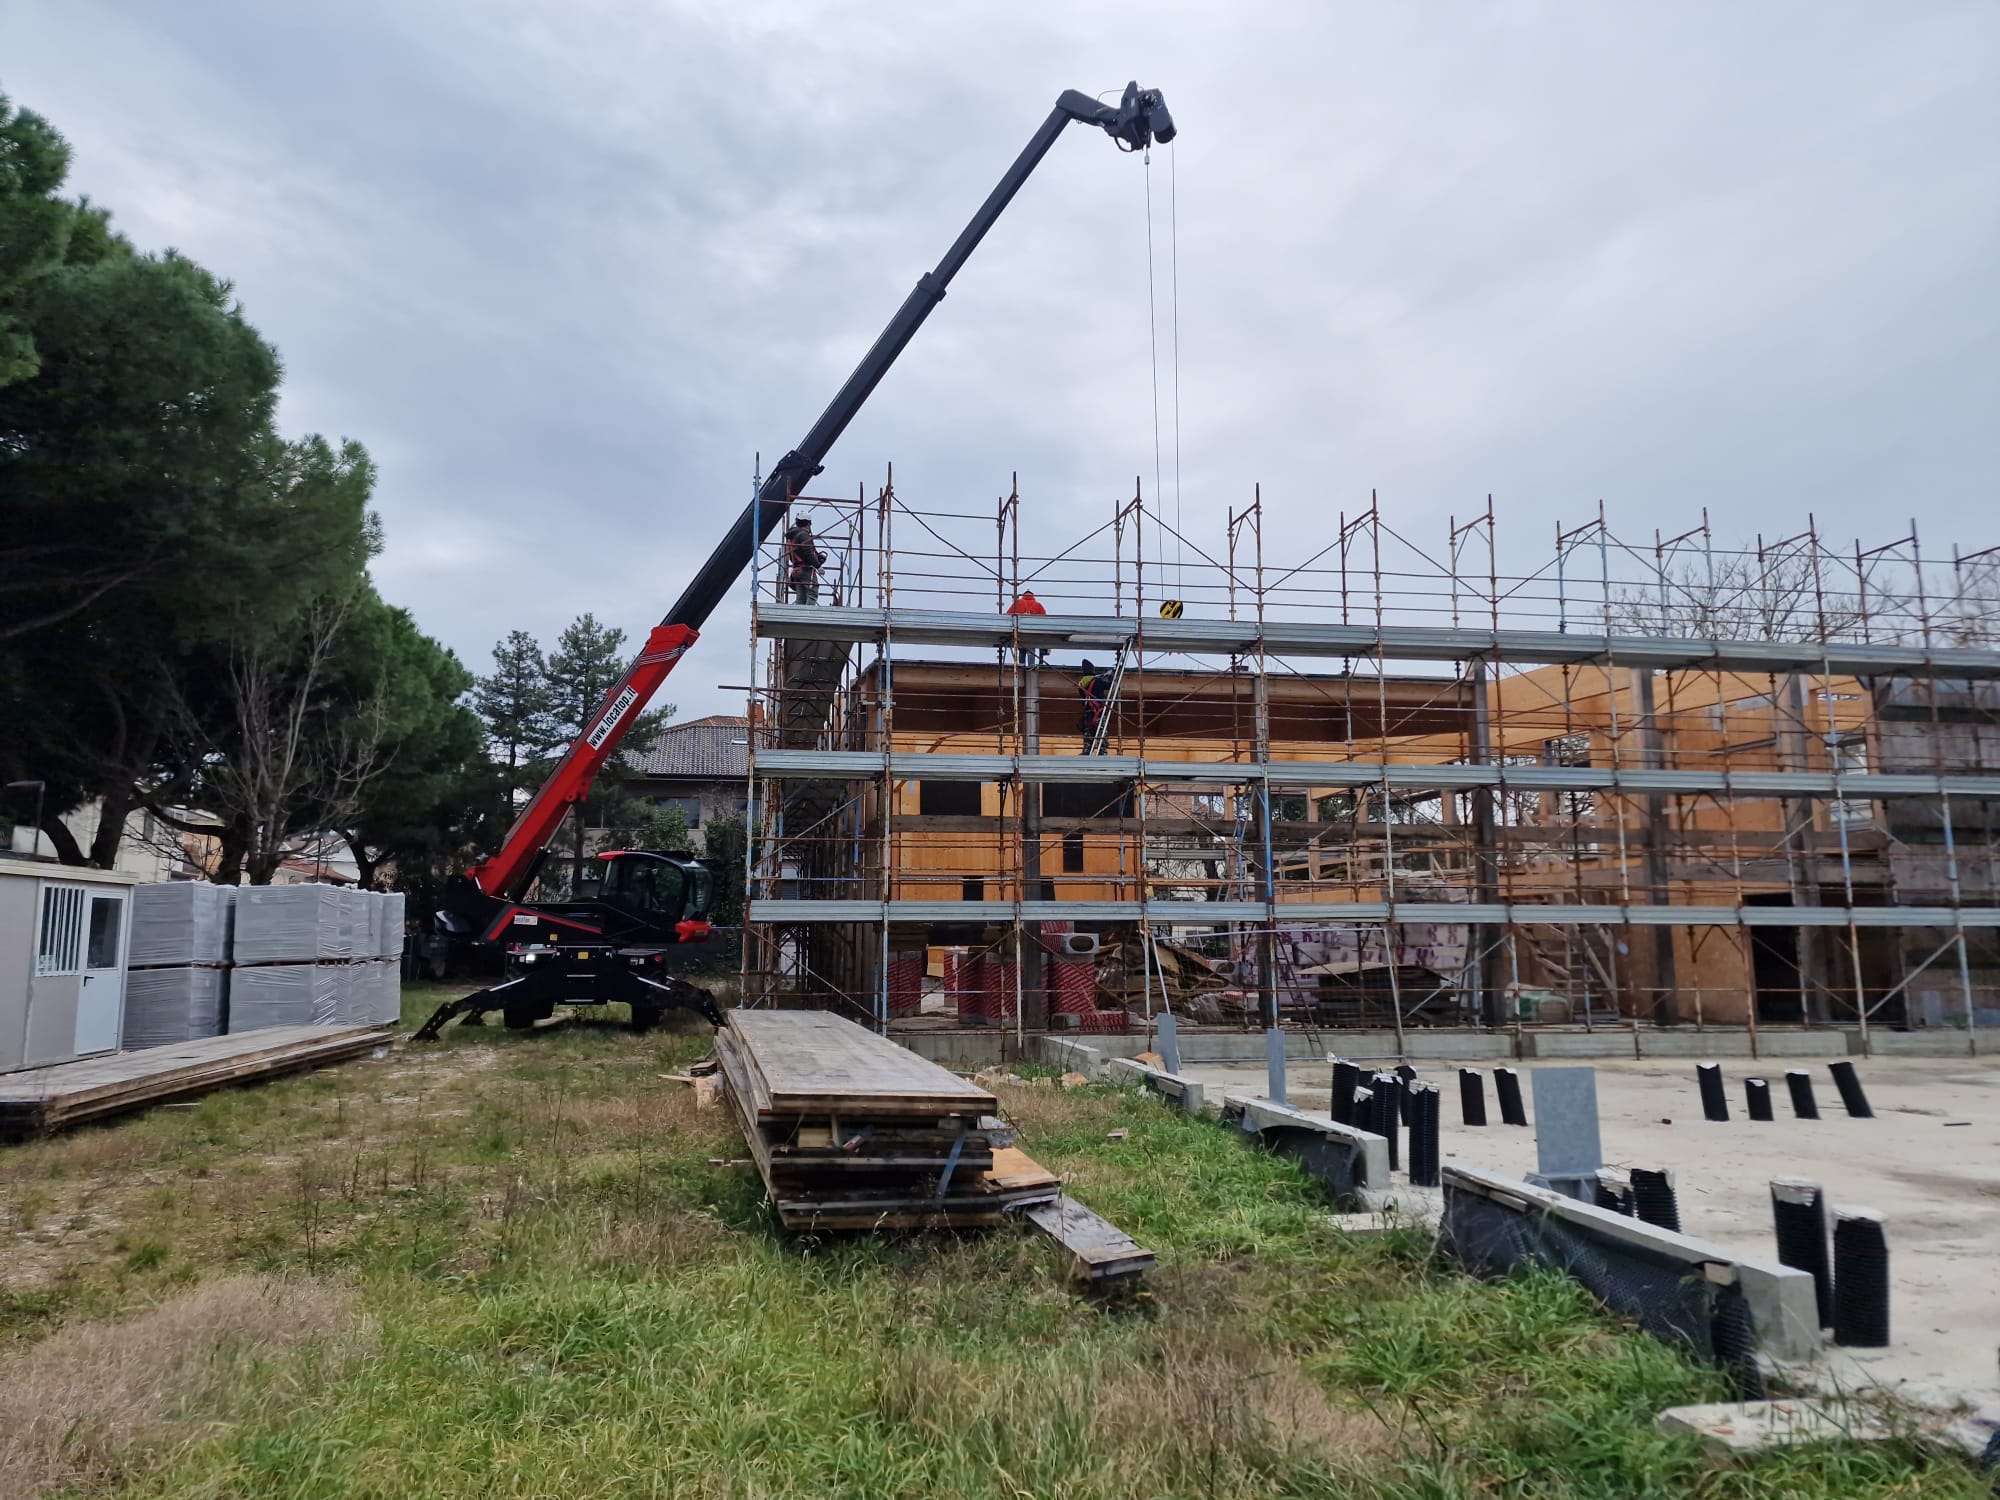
(486, 903)
(1139, 119)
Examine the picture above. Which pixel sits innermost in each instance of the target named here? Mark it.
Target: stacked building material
(177, 986)
(851, 1131)
(315, 955)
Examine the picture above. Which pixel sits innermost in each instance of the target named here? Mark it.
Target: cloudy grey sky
(565, 268)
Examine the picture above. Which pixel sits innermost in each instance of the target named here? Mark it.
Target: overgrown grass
(569, 1300)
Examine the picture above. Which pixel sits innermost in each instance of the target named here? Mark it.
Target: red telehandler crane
(614, 945)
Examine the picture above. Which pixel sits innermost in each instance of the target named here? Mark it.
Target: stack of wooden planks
(852, 1131)
(44, 1099)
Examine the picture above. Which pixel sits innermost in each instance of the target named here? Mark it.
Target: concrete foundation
(1929, 1161)
(970, 1050)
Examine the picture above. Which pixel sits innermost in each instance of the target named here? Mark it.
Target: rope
(1153, 333)
(1174, 251)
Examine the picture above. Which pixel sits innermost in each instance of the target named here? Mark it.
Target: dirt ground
(1929, 1162)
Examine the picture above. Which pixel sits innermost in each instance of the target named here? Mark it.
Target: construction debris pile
(1130, 970)
(851, 1131)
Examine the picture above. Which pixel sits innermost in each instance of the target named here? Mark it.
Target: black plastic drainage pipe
(1757, 1098)
(1613, 1191)
(1860, 1279)
(1654, 1200)
(1714, 1100)
(1472, 1096)
(1424, 1156)
(1346, 1079)
(1387, 1090)
(1849, 1083)
(1799, 1081)
(1798, 1214)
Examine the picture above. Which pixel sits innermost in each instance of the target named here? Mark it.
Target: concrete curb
(1072, 1057)
(1781, 1300)
(1172, 1087)
(1372, 1151)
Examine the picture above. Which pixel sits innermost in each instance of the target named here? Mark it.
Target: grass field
(505, 1265)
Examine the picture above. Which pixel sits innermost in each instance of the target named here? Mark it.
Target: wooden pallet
(850, 1131)
(39, 1100)
(1100, 1250)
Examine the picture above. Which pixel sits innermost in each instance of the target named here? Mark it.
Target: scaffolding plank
(61, 1094)
(1394, 642)
(918, 765)
(1101, 1249)
(813, 1062)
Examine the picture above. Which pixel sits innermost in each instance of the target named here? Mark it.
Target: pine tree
(587, 663)
(516, 703)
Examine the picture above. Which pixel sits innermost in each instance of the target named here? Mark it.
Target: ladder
(1099, 738)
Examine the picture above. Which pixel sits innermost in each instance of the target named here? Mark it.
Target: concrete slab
(1567, 1140)
(1746, 1427)
(1930, 1161)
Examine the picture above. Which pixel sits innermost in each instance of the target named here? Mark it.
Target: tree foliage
(185, 614)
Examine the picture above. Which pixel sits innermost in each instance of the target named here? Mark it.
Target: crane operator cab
(664, 892)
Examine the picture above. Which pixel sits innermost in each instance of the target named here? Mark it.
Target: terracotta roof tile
(703, 748)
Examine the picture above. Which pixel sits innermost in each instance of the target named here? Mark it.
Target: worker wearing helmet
(1093, 686)
(803, 561)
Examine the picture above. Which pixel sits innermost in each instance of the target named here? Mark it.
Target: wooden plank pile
(851, 1131)
(43, 1099)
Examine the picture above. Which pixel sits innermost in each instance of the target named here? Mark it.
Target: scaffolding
(1659, 783)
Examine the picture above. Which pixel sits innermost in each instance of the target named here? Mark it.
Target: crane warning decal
(612, 716)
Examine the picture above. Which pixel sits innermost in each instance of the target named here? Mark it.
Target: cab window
(645, 884)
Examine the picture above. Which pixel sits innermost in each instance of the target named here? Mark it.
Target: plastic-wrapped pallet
(357, 923)
(291, 924)
(180, 922)
(392, 924)
(284, 995)
(371, 994)
(180, 1003)
(388, 995)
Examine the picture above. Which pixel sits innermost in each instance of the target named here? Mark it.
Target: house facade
(700, 766)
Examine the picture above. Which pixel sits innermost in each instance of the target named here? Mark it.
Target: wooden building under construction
(1709, 813)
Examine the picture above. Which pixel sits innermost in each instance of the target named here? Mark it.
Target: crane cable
(1174, 252)
(1153, 334)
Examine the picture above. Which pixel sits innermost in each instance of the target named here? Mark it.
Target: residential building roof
(711, 749)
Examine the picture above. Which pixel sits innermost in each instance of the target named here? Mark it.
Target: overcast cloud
(564, 268)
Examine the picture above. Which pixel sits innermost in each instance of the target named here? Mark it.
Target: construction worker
(1093, 686)
(1027, 604)
(803, 561)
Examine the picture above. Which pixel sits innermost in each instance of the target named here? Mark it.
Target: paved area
(1929, 1162)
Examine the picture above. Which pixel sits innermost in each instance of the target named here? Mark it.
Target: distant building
(700, 766)
(151, 848)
